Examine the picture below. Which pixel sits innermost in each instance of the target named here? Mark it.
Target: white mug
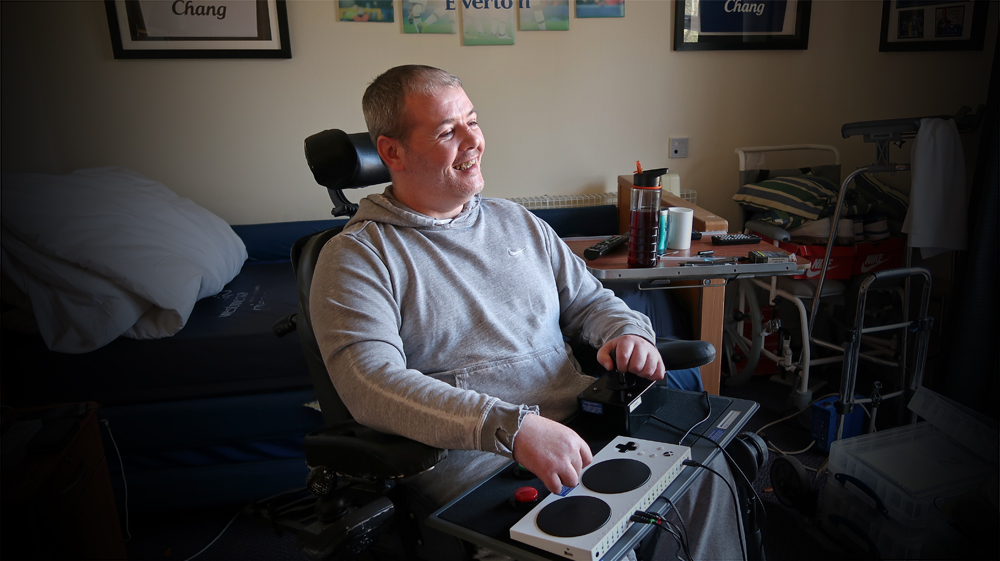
(679, 225)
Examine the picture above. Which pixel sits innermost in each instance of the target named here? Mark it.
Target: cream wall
(563, 112)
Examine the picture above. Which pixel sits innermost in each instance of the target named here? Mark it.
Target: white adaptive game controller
(583, 523)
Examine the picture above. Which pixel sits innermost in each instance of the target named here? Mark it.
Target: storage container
(840, 264)
(866, 530)
(901, 471)
(876, 256)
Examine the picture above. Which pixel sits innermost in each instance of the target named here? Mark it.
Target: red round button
(526, 495)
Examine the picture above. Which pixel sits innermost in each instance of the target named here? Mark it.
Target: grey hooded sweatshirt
(450, 331)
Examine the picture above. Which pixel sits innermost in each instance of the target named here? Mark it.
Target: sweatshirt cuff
(501, 426)
(630, 329)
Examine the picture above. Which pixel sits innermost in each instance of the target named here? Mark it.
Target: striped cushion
(884, 199)
(779, 218)
(802, 198)
(856, 203)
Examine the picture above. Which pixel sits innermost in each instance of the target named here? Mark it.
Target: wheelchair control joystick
(620, 381)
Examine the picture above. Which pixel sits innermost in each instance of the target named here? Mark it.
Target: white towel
(936, 219)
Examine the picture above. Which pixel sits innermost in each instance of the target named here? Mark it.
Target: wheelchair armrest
(678, 355)
(776, 233)
(354, 450)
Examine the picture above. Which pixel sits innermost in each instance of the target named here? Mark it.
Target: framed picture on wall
(933, 25)
(707, 25)
(198, 28)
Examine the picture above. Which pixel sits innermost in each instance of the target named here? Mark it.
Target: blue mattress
(213, 415)
(227, 347)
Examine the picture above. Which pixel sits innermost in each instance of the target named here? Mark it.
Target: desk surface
(707, 306)
(483, 516)
(614, 265)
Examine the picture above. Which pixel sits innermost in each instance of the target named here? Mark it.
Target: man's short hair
(385, 98)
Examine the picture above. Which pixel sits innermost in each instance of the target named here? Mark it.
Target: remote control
(735, 239)
(600, 248)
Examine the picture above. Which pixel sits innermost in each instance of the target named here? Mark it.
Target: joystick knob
(618, 381)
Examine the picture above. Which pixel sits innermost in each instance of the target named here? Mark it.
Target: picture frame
(933, 25)
(150, 29)
(714, 25)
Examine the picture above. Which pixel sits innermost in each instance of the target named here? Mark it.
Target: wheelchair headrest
(344, 161)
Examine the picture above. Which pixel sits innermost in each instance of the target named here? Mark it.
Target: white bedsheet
(107, 252)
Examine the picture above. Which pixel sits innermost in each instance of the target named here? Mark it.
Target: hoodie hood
(384, 208)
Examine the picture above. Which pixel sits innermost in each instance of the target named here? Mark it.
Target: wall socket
(678, 148)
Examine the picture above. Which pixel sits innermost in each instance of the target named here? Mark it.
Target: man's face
(442, 154)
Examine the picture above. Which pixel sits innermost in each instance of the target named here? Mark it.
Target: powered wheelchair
(356, 500)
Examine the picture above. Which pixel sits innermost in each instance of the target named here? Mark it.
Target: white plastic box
(847, 516)
(883, 489)
(908, 467)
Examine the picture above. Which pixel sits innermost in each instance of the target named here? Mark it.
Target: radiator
(570, 201)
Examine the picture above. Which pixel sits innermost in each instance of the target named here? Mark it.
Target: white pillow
(107, 252)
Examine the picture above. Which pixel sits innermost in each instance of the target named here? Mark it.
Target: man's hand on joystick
(632, 354)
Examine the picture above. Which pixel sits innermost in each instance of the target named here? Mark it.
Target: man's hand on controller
(552, 451)
(632, 354)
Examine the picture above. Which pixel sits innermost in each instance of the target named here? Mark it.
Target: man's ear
(391, 152)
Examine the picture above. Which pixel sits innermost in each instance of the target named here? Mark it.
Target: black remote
(600, 248)
(735, 239)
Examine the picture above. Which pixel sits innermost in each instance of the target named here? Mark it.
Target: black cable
(211, 543)
(665, 525)
(680, 519)
(732, 463)
(121, 464)
(683, 548)
(694, 426)
(682, 539)
(736, 503)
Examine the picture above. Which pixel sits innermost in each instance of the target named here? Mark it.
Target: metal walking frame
(913, 371)
(896, 131)
(882, 133)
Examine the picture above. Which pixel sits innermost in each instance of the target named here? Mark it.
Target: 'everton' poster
(488, 22)
(429, 16)
(543, 15)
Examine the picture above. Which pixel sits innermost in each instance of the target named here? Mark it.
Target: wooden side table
(706, 296)
(57, 501)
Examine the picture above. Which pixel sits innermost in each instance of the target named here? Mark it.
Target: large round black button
(616, 476)
(573, 516)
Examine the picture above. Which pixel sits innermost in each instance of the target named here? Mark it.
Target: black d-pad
(628, 447)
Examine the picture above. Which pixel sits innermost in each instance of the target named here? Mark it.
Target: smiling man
(441, 314)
